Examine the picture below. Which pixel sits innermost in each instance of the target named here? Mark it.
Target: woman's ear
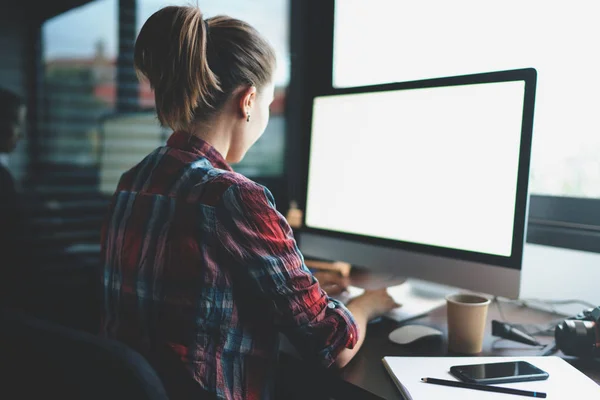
(247, 101)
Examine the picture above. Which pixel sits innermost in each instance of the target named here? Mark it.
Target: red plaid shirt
(197, 258)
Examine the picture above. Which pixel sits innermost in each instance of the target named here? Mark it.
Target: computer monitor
(425, 179)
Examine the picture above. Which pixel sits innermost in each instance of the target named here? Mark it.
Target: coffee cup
(467, 316)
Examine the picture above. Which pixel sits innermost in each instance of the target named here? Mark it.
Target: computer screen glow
(434, 166)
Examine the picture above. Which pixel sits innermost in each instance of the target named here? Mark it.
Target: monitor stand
(418, 298)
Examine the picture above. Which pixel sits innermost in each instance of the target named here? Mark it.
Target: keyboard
(416, 301)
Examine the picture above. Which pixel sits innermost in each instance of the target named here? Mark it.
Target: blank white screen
(434, 166)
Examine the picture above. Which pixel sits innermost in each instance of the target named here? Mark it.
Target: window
(96, 120)
(408, 40)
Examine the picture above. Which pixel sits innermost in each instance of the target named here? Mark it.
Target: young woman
(196, 257)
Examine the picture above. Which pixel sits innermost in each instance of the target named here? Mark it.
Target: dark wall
(15, 34)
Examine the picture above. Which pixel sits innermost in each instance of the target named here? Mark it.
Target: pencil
(484, 387)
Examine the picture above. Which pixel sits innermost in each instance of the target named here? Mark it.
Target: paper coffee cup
(467, 315)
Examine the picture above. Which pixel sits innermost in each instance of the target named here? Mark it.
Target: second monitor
(424, 179)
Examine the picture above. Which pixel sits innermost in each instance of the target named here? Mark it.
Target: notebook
(565, 381)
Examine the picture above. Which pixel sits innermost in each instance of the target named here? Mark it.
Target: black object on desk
(577, 336)
(485, 388)
(509, 332)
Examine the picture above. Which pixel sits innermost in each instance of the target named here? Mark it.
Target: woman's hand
(331, 282)
(374, 303)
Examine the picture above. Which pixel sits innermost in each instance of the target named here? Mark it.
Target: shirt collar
(187, 142)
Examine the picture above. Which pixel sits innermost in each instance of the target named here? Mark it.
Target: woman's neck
(217, 133)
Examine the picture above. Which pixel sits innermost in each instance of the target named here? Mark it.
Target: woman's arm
(263, 254)
(369, 305)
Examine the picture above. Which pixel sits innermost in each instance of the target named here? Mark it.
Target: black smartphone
(501, 372)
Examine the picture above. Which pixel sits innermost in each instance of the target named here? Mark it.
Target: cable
(497, 301)
(549, 349)
(531, 329)
(497, 341)
(546, 329)
(538, 329)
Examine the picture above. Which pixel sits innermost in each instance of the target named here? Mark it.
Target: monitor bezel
(514, 261)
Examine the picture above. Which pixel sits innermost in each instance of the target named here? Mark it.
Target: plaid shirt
(197, 258)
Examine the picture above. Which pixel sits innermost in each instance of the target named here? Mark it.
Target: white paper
(565, 381)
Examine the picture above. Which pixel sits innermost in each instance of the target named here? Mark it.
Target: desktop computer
(426, 180)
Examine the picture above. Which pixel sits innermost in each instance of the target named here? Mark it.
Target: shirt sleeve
(261, 245)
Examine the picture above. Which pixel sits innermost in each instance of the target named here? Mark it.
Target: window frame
(556, 221)
(566, 222)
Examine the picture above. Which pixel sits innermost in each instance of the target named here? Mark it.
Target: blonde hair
(194, 65)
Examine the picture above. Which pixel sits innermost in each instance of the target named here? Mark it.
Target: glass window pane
(408, 40)
(80, 126)
(96, 120)
(78, 83)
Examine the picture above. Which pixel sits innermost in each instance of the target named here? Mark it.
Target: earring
(248, 117)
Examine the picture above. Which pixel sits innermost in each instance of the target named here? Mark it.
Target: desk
(366, 377)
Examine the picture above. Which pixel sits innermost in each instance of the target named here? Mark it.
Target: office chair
(41, 359)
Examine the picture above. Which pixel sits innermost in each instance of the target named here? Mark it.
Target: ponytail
(175, 50)
(170, 52)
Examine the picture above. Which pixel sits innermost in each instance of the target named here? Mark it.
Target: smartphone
(501, 372)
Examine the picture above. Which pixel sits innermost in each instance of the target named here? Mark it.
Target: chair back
(40, 359)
